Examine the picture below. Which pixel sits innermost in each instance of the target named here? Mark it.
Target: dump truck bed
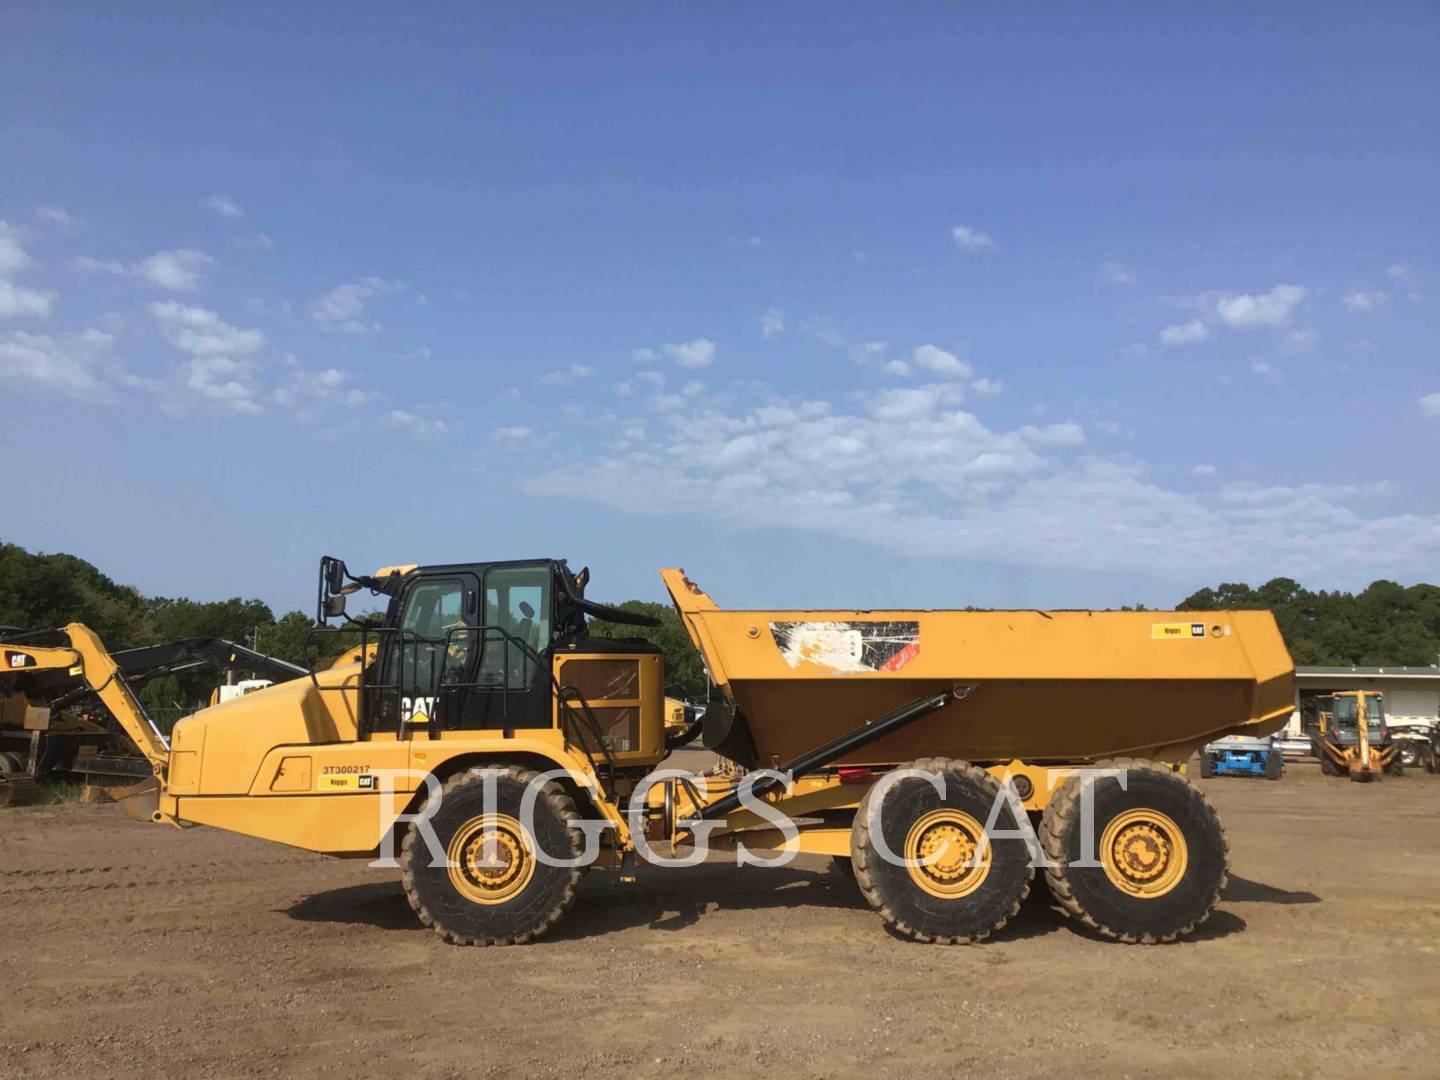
(1045, 685)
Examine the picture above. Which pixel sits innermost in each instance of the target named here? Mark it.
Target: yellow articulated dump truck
(481, 735)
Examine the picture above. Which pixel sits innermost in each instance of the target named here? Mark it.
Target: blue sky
(830, 304)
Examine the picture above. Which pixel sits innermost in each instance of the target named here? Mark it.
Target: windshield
(1346, 710)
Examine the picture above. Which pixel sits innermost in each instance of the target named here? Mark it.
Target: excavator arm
(77, 655)
(86, 658)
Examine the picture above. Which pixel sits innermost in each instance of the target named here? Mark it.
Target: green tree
(1386, 623)
(42, 592)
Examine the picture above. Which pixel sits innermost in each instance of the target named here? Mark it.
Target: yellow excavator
(481, 735)
(51, 727)
(1351, 737)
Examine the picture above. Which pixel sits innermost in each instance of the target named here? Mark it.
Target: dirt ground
(134, 950)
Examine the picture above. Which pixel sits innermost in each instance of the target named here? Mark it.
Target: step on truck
(479, 732)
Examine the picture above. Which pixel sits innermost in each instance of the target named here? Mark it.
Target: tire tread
(860, 844)
(1064, 809)
(558, 800)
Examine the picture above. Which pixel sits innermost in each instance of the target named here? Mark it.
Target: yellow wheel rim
(491, 858)
(947, 854)
(1144, 853)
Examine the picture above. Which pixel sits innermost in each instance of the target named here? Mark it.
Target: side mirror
(334, 605)
(335, 575)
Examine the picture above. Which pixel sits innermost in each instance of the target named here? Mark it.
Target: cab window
(517, 609)
(432, 610)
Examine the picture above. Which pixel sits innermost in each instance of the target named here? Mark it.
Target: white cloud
(57, 216)
(754, 241)
(19, 302)
(87, 264)
(41, 360)
(417, 423)
(772, 323)
(1362, 302)
(917, 477)
(970, 239)
(223, 205)
(645, 355)
(1397, 271)
(1066, 434)
(1118, 274)
(518, 433)
(911, 402)
(223, 380)
(178, 270)
(311, 396)
(898, 368)
(1297, 341)
(256, 242)
(1204, 470)
(201, 332)
(1263, 309)
(867, 352)
(691, 354)
(987, 387)
(217, 369)
(13, 257)
(1262, 367)
(1430, 405)
(341, 310)
(566, 374)
(1189, 333)
(945, 364)
(420, 352)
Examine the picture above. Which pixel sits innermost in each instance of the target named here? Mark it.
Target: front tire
(496, 892)
(965, 885)
(1158, 854)
(1274, 764)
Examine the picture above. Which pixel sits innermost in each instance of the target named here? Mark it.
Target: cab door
(512, 682)
(429, 648)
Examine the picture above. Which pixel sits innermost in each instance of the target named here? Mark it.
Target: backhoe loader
(480, 730)
(1352, 738)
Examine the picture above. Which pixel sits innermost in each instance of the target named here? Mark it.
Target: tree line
(1385, 623)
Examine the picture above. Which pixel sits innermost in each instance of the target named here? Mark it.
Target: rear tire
(504, 896)
(949, 901)
(1160, 853)
(1207, 765)
(1274, 764)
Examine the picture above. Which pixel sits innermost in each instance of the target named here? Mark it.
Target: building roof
(1397, 672)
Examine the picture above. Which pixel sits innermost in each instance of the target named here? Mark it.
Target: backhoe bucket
(140, 801)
